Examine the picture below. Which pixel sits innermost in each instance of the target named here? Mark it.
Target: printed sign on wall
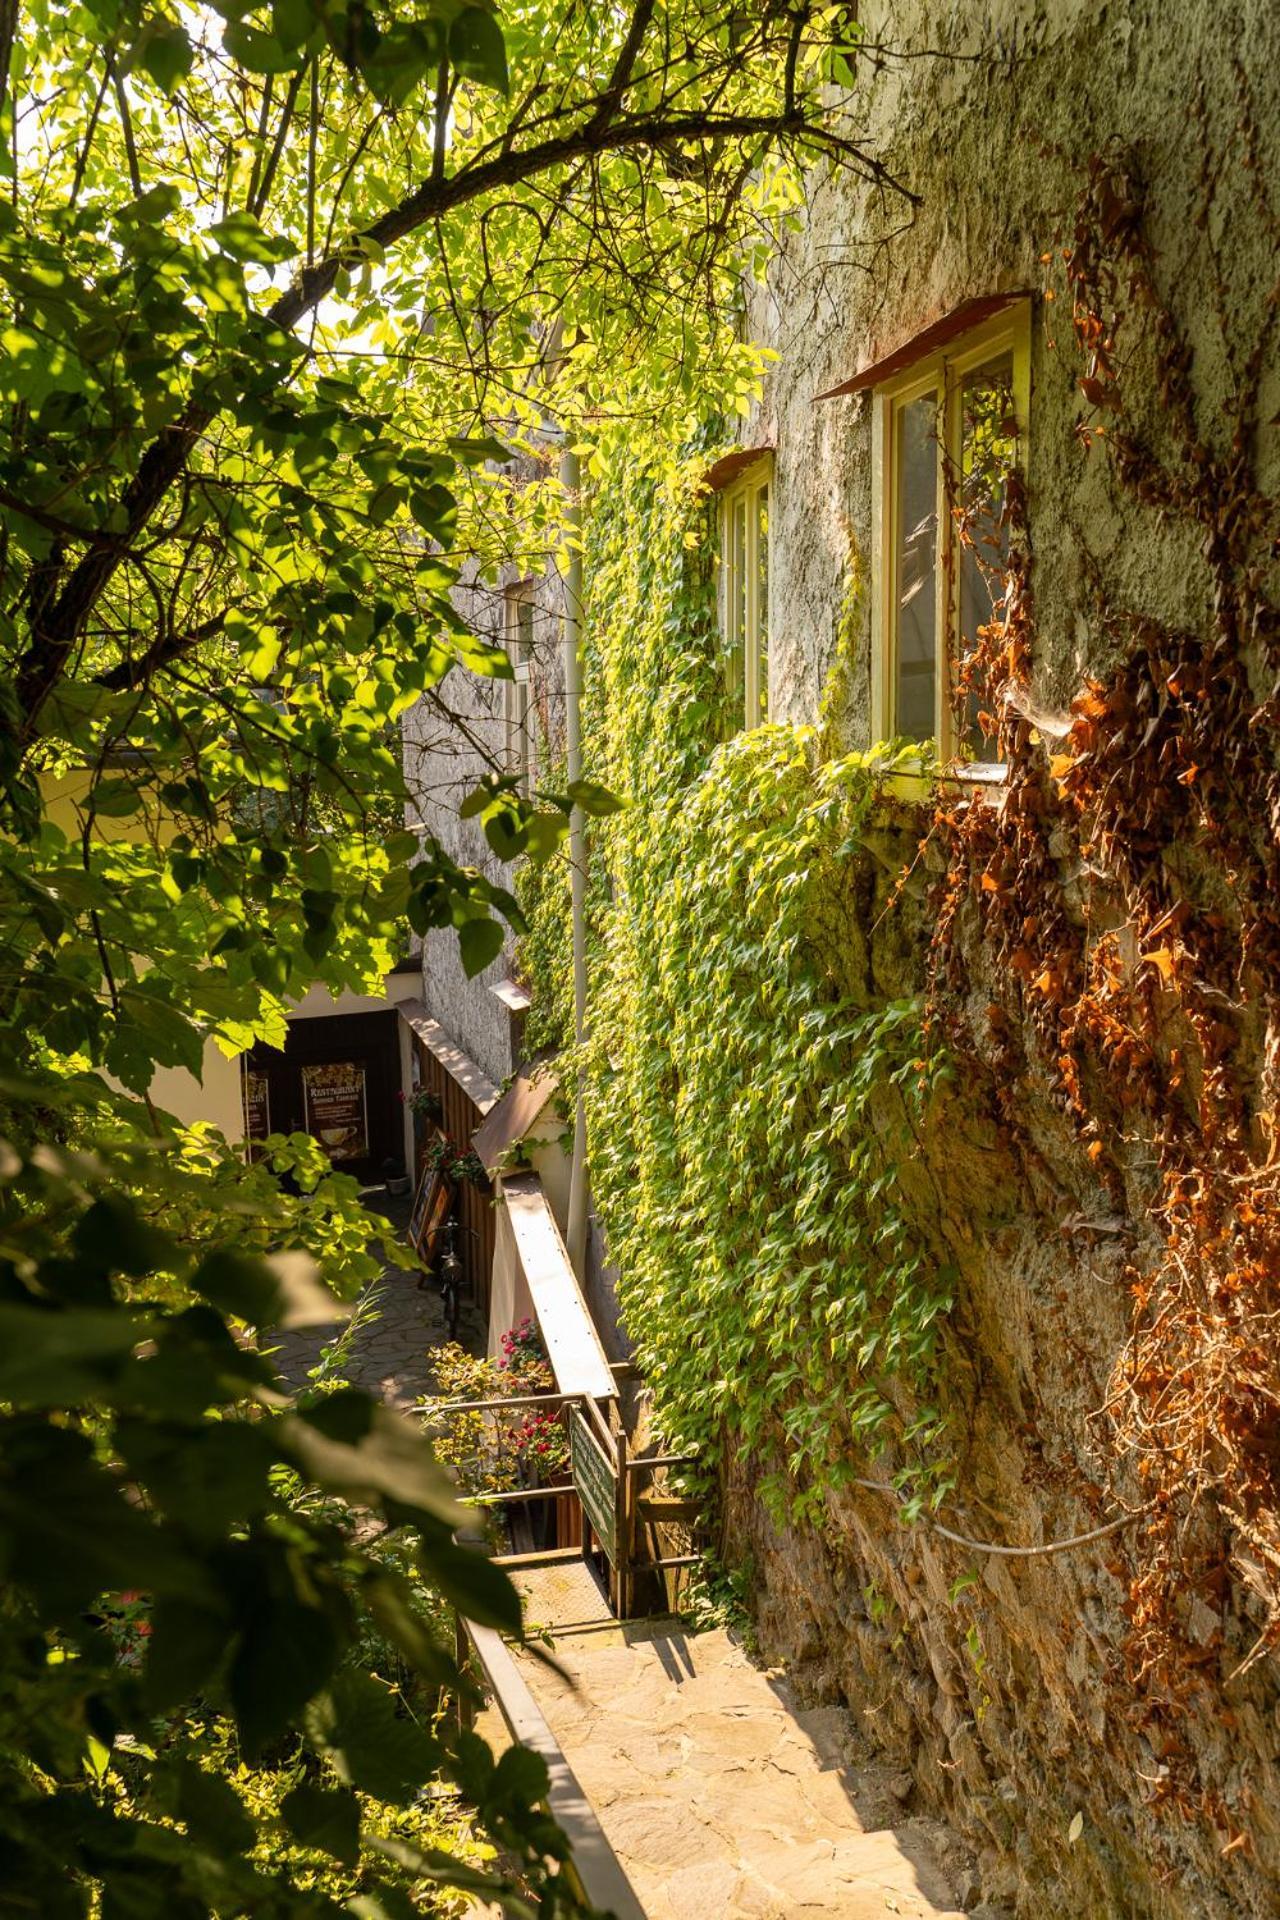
(337, 1112)
(597, 1483)
(257, 1109)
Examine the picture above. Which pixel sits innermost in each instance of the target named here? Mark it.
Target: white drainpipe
(570, 480)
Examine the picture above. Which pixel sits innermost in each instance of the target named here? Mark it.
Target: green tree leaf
(371, 1746)
(164, 50)
(327, 1818)
(477, 48)
(479, 942)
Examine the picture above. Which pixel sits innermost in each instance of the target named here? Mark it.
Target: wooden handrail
(594, 1865)
(661, 1460)
(517, 1493)
(504, 1400)
(592, 1412)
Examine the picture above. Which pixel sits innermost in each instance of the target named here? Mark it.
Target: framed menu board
(431, 1206)
(421, 1201)
(337, 1108)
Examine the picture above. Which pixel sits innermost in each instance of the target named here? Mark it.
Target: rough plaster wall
(1008, 1705)
(991, 138)
(442, 766)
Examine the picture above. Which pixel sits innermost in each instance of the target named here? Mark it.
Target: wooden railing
(605, 1479)
(604, 1475)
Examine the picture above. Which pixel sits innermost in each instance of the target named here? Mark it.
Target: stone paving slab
(722, 1801)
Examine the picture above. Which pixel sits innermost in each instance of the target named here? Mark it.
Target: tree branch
(126, 127)
(624, 66)
(45, 657)
(8, 33)
(166, 647)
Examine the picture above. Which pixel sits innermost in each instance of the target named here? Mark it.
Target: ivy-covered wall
(751, 1086)
(841, 1269)
(935, 1140)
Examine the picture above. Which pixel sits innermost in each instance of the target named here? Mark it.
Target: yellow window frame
(941, 373)
(739, 570)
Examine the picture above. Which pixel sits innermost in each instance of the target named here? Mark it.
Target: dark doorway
(337, 1077)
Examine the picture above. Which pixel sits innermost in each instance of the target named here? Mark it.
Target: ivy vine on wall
(749, 1095)
(1126, 890)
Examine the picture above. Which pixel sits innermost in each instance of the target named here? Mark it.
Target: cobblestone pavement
(398, 1327)
(720, 1797)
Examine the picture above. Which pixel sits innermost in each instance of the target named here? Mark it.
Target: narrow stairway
(719, 1796)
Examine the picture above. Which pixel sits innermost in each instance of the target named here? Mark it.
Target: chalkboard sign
(596, 1481)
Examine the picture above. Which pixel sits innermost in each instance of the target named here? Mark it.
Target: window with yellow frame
(744, 593)
(946, 432)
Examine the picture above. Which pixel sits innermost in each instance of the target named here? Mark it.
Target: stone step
(722, 1799)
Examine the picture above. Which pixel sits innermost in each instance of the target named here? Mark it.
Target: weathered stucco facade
(994, 133)
(1014, 1711)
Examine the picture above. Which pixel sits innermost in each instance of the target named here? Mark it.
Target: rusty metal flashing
(940, 333)
(722, 472)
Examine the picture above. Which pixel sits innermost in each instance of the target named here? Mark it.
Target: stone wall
(449, 745)
(1000, 1684)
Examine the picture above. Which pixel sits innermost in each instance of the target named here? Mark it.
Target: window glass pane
(736, 601)
(524, 630)
(988, 449)
(762, 599)
(915, 567)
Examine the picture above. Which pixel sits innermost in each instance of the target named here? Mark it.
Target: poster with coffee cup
(257, 1110)
(337, 1111)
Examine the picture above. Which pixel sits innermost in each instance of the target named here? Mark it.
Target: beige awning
(512, 1116)
(578, 1360)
